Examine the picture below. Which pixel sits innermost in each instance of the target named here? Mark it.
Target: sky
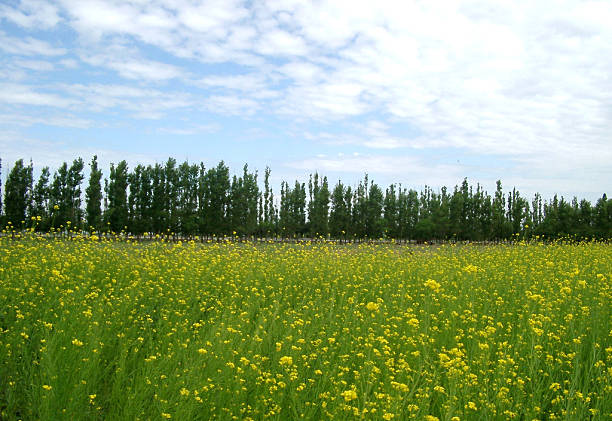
(411, 92)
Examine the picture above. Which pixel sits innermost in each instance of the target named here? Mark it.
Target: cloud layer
(526, 81)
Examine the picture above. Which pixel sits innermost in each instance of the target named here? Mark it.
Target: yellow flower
(439, 389)
(372, 306)
(433, 285)
(286, 360)
(349, 395)
(46, 387)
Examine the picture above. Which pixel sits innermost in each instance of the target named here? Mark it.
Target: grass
(120, 331)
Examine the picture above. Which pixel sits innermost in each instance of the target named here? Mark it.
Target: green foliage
(318, 206)
(95, 329)
(39, 207)
(93, 196)
(340, 213)
(188, 199)
(116, 214)
(18, 193)
(292, 214)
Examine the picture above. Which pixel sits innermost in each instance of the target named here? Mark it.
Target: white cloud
(244, 82)
(137, 68)
(485, 78)
(15, 94)
(301, 72)
(141, 103)
(48, 120)
(53, 153)
(69, 63)
(385, 169)
(32, 14)
(231, 105)
(277, 42)
(28, 46)
(36, 65)
(190, 130)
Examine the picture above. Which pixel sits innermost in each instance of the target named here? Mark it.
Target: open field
(113, 330)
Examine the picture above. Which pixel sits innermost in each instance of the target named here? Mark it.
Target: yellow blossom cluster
(108, 329)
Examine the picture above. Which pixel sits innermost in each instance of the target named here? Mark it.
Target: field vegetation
(112, 330)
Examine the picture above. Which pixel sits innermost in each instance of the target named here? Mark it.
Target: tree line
(192, 200)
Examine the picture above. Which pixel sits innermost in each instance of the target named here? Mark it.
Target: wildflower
(433, 285)
(372, 306)
(286, 360)
(349, 395)
(440, 389)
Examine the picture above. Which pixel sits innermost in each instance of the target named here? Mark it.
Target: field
(111, 330)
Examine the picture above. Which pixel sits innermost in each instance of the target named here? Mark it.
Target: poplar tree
(339, 215)
(40, 200)
(93, 197)
(585, 219)
(135, 208)
(158, 200)
(18, 193)
(391, 213)
(171, 195)
(498, 214)
(603, 217)
(518, 210)
(187, 198)
(318, 207)
(373, 216)
(116, 191)
(250, 191)
(284, 210)
(1, 209)
(298, 208)
(217, 185)
(360, 208)
(73, 193)
(57, 204)
(202, 197)
(268, 204)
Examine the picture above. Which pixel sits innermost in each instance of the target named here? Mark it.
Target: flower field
(121, 331)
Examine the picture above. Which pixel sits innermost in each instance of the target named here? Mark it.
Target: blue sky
(410, 92)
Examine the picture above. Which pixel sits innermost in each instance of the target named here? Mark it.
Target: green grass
(120, 331)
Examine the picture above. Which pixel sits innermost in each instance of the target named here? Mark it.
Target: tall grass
(113, 330)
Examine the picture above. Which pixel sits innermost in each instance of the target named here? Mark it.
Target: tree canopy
(190, 200)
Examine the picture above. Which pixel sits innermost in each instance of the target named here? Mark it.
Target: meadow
(112, 330)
